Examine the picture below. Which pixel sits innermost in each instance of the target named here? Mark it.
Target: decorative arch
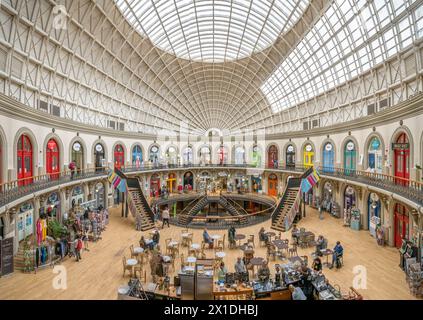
(125, 152)
(34, 144)
(278, 152)
(304, 144)
(183, 150)
(132, 148)
(369, 139)
(199, 152)
(284, 151)
(322, 152)
(84, 147)
(225, 146)
(234, 159)
(176, 152)
(159, 152)
(105, 150)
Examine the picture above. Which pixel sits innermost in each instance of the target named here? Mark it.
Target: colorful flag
(116, 182)
(122, 185)
(112, 176)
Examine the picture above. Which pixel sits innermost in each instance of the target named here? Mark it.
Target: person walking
(78, 248)
(165, 216)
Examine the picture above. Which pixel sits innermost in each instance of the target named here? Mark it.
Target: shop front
(401, 224)
(239, 155)
(154, 185)
(350, 157)
(188, 180)
(171, 182)
(256, 185)
(374, 213)
(375, 156)
(187, 156)
(256, 156)
(327, 197)
(77, 197)
(222, 180)
(205, 155)
(99, 195)
(222, 155)
(53, 206)
(172, 156)
(137, 156)
(119, 156)
(290, 156)
(99, 156)
(25, 221)
(328, 158)
(272, 185)
(241, 183)
(154, 154)
(349, 198)
(308, 156)
(272, 156)
(52, 159)
(401, 149)
(25, 160)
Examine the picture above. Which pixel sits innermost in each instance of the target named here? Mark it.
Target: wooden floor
(99, 273)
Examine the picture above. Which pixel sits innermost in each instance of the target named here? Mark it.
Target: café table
(191, 260)
(327, 253)
(239, 237)
(280, 245)
(270, 234)
(220, 254)
(195, 246)
(295, 259)
(216, 237)
(256, 262)
(138, 250)
(132, 263)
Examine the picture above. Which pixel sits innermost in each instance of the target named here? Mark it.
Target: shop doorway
(25, 161)
(308, 156)
(272, 185)
(52, 159)
(349, 198)
(100, 195)
(402, 159)
(327, 201)
(290, 156)
(256, 184)
(119, 156)
(373, 206)
(328, 158)
(401, 224)
(188, 180)
(375, 156)
(25, 221)
(205, 155)
(154, 185)
(187, 156)
(350, 157)
(78, 156)
(272, 157)
(100, 160)
(154, 155)
(172, 156)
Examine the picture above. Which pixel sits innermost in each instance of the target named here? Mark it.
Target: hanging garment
(43, 255)
(37, 257)
(39, 232)
(44, 229)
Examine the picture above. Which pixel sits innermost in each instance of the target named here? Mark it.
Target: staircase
(185, 218)
(234, 209)
(139, 206)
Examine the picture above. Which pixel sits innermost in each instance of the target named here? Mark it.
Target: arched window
(375, 155)
(78, 155)
(187, 155)
(272, 157)
(119, 156)
(256, 156)
(222, 154)
(136, 156)
(52, 159)
(25, 160)
(402, 159)
(172, 156)
(205, 155)
(154, 154)
(239, 155)
(328, 157)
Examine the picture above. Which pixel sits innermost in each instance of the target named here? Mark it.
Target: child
(78, 248)
(85, 239)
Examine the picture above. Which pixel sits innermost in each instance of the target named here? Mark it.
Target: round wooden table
(270, 234)
(239, 237)
(256, 262)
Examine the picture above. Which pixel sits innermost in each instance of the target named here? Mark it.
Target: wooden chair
(138, 268)
(142, 258)
(293, 251)
(222, 242)
(183, 262)
(251, 240)
(126, 267)
(131, 248)
(168, 248)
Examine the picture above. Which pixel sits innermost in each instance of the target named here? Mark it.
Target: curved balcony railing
(409, 189)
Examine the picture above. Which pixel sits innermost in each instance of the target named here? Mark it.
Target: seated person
(263, 236)
(207, 239)
(317, 264)
(297, 293)
(338, 251)
(321, 243)
(264, 272)
(278, 275)
(221, 273)
(240, 266)
(156, 237)
(231, 236)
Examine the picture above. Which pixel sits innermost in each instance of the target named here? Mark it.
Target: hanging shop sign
(350, 146)
(6, 256)
(328, 147)
(400, 146)
(290, 148)
(222, 174)
(99, 148)
(255, 148)
(308, 148)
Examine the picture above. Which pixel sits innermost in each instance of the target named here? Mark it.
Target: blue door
(328, 158)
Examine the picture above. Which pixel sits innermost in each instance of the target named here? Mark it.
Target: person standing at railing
(72, 168)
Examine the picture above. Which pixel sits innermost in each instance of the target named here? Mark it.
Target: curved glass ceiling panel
(212, 30)
(349, 39)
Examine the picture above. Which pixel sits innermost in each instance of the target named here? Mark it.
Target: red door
(52, 159)
(401, 224)
(119, 157)
(402, 159)
(272, 157)
(272, 185)
(24, 160)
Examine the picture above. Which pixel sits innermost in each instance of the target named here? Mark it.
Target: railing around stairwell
(237, 206)
(190, 205)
